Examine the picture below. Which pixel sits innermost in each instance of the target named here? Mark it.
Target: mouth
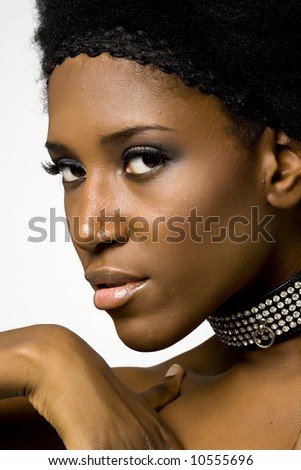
(113, 288)
(109, 285)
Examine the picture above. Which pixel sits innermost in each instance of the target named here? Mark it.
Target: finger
(167, 390)
(297, 445)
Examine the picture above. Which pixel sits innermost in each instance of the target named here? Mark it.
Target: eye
(142, 160)
(71, 173)
(69, 169)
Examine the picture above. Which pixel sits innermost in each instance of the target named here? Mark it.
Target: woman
(177, 136)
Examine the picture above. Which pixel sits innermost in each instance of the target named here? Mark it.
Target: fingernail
(173, 370)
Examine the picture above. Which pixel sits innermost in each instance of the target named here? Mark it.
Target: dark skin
(228, 399)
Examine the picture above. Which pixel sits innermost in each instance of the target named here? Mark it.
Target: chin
(145, 339)
(143, 344)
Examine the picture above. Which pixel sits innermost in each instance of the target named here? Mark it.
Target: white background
(43, 282)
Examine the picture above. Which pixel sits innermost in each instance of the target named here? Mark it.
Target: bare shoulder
(209, 358)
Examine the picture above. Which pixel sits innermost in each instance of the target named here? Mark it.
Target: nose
(97, 219)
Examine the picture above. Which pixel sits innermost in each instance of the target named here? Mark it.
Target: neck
(283, 358)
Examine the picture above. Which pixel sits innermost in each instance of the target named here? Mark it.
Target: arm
(23, 428)
(71, 386)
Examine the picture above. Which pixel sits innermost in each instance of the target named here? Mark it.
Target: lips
(113, 288)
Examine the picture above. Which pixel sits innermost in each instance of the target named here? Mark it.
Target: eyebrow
(124, 134)
(57, 148)
(116, 137)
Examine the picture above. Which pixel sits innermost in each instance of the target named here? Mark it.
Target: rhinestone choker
(271, 319)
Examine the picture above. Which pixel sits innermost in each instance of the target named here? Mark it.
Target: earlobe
(283, 184)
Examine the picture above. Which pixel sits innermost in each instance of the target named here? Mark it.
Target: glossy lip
(119, 287)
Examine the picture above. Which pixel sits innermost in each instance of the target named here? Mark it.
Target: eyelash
(55, 168)
(143, 152)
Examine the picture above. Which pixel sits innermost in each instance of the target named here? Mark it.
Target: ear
(283, 173)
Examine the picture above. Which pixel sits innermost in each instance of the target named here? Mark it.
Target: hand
(75, 390)
(167, 390)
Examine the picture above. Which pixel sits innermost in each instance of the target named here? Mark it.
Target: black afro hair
(246, 52)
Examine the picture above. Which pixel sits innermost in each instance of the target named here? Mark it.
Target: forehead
(121, 73)
(114, 93)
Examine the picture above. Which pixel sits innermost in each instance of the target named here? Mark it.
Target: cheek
(200, 202)
(205, 242)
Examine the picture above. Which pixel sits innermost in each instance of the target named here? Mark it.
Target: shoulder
(209, 358)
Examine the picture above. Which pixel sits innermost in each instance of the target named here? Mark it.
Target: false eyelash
(51, 168)
(55, 168)
(145, 151)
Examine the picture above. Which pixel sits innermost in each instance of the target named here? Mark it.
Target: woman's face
(158, 195)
